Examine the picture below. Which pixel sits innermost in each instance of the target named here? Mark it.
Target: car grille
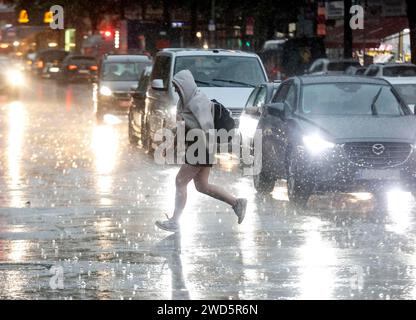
(368, 154)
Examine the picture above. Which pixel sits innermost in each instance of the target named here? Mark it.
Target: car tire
(133, 139)
(265, 180)
(298, 190)
(147, 140)
(263, 183)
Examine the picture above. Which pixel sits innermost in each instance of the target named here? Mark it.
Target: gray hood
(194, 101)
(360, 128)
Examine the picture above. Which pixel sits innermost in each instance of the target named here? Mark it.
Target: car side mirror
(157, 84)
(278, 109)
(253, 110)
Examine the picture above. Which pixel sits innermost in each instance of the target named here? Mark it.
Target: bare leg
(185, 175)
(203, 186)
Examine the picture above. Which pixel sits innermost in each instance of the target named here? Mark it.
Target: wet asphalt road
(75, 195)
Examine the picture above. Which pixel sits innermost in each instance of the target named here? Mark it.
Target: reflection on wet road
(75, 194)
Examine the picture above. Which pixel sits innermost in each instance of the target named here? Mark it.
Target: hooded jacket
(194, 106)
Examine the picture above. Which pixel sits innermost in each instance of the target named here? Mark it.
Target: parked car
(355, 71)
(225, 75)
(48, 62)
(327, 66)
(78, 67)
(137, 107)
(406, 87)
(249, 119)
(336, 133)
(390, 70)
(117, 79)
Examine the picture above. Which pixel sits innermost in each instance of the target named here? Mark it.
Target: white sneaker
(169, 225)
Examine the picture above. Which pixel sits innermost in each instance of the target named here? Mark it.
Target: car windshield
(407, 92)
(400, 71)
(122, 71)
(222, 71)
(338, 99)
(342, 65)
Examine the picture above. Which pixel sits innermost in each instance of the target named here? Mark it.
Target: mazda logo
(378, 149)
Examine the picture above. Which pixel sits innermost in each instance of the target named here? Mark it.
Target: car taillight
(40, 64)
(72, 67)
(94, 68)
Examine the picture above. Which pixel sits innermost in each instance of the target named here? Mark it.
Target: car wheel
(147, 140)
(298, 190)
(265, 180)
(132, 137)
(263, 183)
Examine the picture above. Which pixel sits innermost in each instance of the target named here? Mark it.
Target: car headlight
(315, 144)
(15, 77)
(106, 91)
(248, 126)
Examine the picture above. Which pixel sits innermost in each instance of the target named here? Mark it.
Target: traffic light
(248, 44)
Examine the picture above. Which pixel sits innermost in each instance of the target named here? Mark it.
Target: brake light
(40, 64)
(94, 68)
(72, 67)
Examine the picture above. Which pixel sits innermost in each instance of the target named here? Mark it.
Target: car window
(261, 97)
(281, 93)
(222, 71)
(291, 97)
(252, 97)
(122, 71)
(161, 69)
(351, 99)
(407, 92)
(372, 72)
(400, 71)
(143, 82)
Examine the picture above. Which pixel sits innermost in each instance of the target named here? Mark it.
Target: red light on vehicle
(94, 68)
(39, 64)
(72, 67)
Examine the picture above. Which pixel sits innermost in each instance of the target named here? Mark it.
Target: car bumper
(334, 171)
(113, 104)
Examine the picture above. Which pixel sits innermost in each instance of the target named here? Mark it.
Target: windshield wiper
(206, 83)
(373, 104)
(236, 82)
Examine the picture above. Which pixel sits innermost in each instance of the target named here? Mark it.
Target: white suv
(225, 75)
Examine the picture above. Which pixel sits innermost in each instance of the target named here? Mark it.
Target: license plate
(84, 71)
(125, 103)
(374, 174)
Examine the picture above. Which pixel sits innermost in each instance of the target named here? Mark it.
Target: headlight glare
(316, 144)
(15, 77)
(105, 91)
